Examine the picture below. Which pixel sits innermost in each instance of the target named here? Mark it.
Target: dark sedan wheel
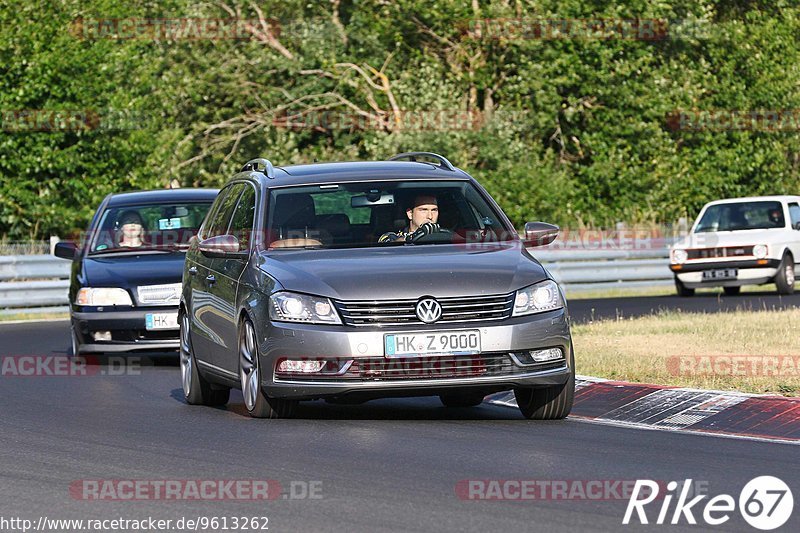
(196, 390)
(257, 404)
(75, 347)
(548, 403)
(462, 399)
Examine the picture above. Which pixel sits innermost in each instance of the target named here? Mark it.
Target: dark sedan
(126, 275)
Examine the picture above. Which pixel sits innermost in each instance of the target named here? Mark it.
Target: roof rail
(260, 165)
(412, 156)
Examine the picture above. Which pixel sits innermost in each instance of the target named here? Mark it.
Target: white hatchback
(740, 241)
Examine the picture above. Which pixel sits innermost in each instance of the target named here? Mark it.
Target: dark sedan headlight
(295, 307)
(102, 296)
(538, 298)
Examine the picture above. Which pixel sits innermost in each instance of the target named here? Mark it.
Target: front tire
(196, 389)
(682, 290)
(784, 280)
(548, 403)
(258, 405)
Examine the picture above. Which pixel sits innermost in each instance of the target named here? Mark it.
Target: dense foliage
(573, 129)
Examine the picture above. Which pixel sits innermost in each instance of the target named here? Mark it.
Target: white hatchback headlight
(760, 251)
(103, 296)
(294, 307)
(679, 256)
(538, 298)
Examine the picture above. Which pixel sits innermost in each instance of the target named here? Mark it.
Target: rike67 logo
(765, 503)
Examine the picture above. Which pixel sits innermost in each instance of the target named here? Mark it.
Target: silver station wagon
(362, 280)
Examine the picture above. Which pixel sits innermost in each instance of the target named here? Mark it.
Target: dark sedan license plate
(725, 273)
(432, 343)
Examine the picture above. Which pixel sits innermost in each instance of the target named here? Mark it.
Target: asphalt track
(390, 465)
(630, 307)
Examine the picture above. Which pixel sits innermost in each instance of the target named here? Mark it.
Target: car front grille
(401, 312)
(169, 294)
(433, 367)
(725, 251)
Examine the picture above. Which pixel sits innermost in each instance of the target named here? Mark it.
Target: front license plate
(161, 321)
(727, 273)
(433, 343)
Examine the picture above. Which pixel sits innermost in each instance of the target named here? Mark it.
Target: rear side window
(794, 214)
(220, 218)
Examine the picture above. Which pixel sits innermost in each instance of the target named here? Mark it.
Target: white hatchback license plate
(155, 321)
(727, 273)
(433, 343)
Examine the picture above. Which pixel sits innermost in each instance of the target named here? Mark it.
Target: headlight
(538, 298)
(760, 251)
(293, 307)
(103, 296)
(679, 256)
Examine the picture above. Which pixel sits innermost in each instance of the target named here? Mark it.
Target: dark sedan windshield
(367, 214)
(742, 216)
(136, 228)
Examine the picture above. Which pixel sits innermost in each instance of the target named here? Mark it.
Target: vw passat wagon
(355, 281)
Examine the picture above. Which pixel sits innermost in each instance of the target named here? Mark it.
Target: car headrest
(338, 225)
(293, 211)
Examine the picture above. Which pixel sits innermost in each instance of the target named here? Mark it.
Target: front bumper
(127, 327)
(750, 272)
(491, 369)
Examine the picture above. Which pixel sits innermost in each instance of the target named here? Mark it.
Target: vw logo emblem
(428, 310)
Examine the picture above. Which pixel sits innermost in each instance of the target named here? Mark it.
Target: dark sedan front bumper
(128, 328)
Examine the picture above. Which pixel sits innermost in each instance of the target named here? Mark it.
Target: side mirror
(220, 246)
(66, 250)
(797, 226)
(540, 233)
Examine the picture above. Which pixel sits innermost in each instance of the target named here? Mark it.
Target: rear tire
(196, 389)
(257, 403)
(548, 403)
(682, 290)
(732, 291)
(784, 280)
(462, 399)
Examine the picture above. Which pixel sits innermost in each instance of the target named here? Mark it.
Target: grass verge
(13, 317)
(745, 351)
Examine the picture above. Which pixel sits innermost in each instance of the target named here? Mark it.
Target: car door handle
(211, 279)
(192, 270)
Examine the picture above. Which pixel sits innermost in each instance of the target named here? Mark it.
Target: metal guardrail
(42, 280)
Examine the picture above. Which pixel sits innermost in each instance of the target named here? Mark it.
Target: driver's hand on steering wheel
(425, 229)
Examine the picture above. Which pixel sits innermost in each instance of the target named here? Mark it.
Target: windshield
(134, 228)
(372, 214)
(742, 216)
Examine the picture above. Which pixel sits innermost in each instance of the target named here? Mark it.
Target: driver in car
(422, 220)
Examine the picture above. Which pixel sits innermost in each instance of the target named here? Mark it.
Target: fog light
(300, 366)
(551, 354)
(102, 335)
(532, 357)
